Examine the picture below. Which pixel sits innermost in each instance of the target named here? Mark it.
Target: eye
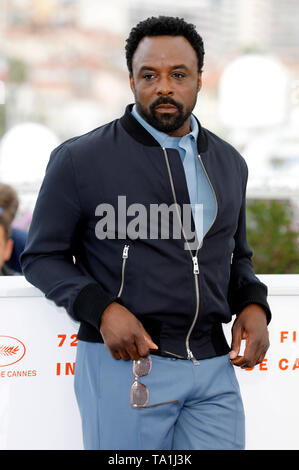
(179, 75)
(148, 76)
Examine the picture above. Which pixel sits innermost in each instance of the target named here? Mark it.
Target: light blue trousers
(209, 414)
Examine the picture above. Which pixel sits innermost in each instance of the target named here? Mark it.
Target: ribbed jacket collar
(139, 133)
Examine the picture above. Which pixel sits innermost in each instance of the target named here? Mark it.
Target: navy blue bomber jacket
(181, 296)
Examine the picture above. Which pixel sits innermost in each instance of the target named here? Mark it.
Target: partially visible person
(9, 202)
(6, 244)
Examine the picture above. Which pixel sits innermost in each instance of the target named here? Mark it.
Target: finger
(128, 348)
(124, 355)
(251, 354)
(264, 349)
(239, 361)
(148, 339)
(142, 345)
(114, 353)
(150, 343)
(133, 352)
(236, 343)
(262, 357)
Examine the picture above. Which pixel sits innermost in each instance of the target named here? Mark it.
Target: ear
(199, 83)
(132, 83)
(8, 249)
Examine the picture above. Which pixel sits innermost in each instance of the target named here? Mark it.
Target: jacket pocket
(125, 256)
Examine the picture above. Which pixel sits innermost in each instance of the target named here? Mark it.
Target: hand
(123, 334)
(251, 325)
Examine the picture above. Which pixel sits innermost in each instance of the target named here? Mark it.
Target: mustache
(166, 100)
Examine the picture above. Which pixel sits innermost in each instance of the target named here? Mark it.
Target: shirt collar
(164, 138)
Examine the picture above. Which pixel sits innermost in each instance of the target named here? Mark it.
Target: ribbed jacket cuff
(254, 293)
(91, 303)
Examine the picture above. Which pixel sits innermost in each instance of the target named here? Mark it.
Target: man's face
(6, 247)
(165, 82)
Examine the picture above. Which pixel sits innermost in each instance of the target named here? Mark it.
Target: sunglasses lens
(142, 367)
(139, 394)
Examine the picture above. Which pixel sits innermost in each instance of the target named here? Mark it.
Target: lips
(166, 108)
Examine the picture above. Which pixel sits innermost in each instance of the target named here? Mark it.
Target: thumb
(236, 342)
(148, 339)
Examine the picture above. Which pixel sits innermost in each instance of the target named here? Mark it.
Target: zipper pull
(195, 265)
(125, 251)
(192, 358)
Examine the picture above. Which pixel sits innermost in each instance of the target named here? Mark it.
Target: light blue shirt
(200, 191)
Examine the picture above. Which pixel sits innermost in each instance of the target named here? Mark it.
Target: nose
(164, 87)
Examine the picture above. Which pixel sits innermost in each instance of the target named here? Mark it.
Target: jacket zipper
(194, 258)
(125, 256)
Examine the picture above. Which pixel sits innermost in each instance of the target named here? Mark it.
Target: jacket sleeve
(244, 287)
(47, 261)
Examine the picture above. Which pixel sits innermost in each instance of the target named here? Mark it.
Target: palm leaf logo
(8, 350)
(12, 350)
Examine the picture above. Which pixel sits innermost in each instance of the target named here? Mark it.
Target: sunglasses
(139, 395)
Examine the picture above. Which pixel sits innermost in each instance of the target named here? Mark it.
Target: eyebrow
(148, 67)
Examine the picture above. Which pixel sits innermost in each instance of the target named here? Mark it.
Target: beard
(166, 122)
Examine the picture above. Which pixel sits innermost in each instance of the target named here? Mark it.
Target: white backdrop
(38, 408)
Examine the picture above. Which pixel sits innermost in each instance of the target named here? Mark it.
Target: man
(163, 296)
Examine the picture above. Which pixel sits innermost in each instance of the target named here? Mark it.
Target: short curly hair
(164, 26)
